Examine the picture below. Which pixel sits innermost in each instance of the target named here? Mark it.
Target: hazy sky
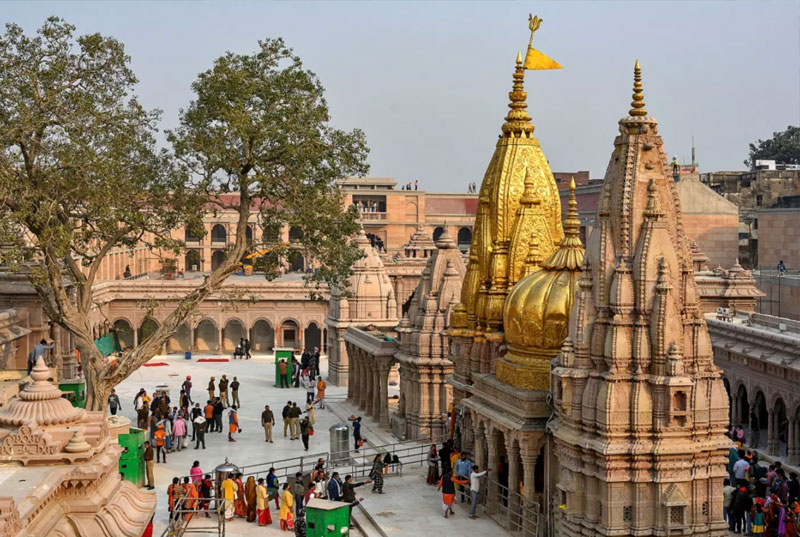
(428, 81)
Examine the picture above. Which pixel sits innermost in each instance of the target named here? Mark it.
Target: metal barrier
(182, 514)
(510, 509)
(412, 452)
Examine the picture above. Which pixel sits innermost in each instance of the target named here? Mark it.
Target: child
(758, 520)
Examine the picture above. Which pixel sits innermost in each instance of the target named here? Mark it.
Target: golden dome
(536, 312)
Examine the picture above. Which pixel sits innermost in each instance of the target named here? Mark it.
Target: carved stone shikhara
(640, 408)
(59, 457)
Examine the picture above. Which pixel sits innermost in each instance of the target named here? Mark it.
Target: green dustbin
(283, 354)
(132, 470)
(325, 518)
(75, 392)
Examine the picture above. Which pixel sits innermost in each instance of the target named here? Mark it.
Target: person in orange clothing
(173, 492)
(321, 392)
(448, 487)
(233, 423)
(161, 443)
(190, 492)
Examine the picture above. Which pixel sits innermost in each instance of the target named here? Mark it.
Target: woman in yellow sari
(287, 505)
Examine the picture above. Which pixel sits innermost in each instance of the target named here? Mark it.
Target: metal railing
(201, 509)
(359, 464)
(510, 510)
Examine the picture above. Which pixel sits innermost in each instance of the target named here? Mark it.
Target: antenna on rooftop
(693, 160)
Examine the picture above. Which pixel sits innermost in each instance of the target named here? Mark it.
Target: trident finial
(533, 24)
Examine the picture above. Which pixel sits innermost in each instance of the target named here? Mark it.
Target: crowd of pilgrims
(250, 498)
(760, 499)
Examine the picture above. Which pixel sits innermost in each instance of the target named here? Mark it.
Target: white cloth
(475, 480)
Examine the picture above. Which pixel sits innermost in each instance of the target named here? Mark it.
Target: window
(705, 508)
(676, 515)
(627, 513)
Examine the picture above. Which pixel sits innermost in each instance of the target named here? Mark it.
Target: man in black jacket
(349, 493)
(196, 411)
(218, 411)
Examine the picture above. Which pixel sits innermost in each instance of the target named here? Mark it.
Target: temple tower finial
(637, 103)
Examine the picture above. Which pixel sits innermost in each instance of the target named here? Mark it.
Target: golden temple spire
(518, 122)
(572, 224)
(569, 254)
(529, 196)
(638, 96)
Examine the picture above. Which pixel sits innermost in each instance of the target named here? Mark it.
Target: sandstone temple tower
(368, 300)
(640, 408)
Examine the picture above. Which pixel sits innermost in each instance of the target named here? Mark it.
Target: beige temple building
(60, 470)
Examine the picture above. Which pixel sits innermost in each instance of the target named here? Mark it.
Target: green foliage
(259, 127)
(79, 171)
(783, 148)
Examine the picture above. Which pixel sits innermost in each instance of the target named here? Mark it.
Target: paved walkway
(409, 506)
(257, 377)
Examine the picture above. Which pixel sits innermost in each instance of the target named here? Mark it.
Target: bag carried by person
(185, 441)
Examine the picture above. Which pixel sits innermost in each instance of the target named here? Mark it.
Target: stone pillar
(512, 520)
(423, 400)
(735, 409)
(529, 480)
(479, 454)
(191, 336)
(220, 349)
(791, 441)
(376, 390)
(384, 393)
(772, 432)
(493, 489)
(56, 353)
(364, 380)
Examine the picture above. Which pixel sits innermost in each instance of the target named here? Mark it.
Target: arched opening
(289, 334)
(192, 261)
(376, 242)
(124, 332)
(781, 433)
(181, 340)
(324, 341)
(232, 333)
(248, 234)
(205, 336)
(744, 406)
(262, 336)
(295, 234)
(730, 399)
(758, 421)
(219, 234)
(147, 328)
(190, 236)
(464, 238)
(312, 337)
(217, 258)
(298, 262)
(437, 232)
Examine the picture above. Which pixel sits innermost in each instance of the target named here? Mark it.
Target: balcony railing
(373, 216)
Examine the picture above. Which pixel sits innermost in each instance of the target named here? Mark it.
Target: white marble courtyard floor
(410, 507)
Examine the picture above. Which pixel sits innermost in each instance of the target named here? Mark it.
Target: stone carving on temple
(424, 346)
(640, 408)
(61, 470)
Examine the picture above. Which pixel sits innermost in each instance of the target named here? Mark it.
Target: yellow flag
(536, 61)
